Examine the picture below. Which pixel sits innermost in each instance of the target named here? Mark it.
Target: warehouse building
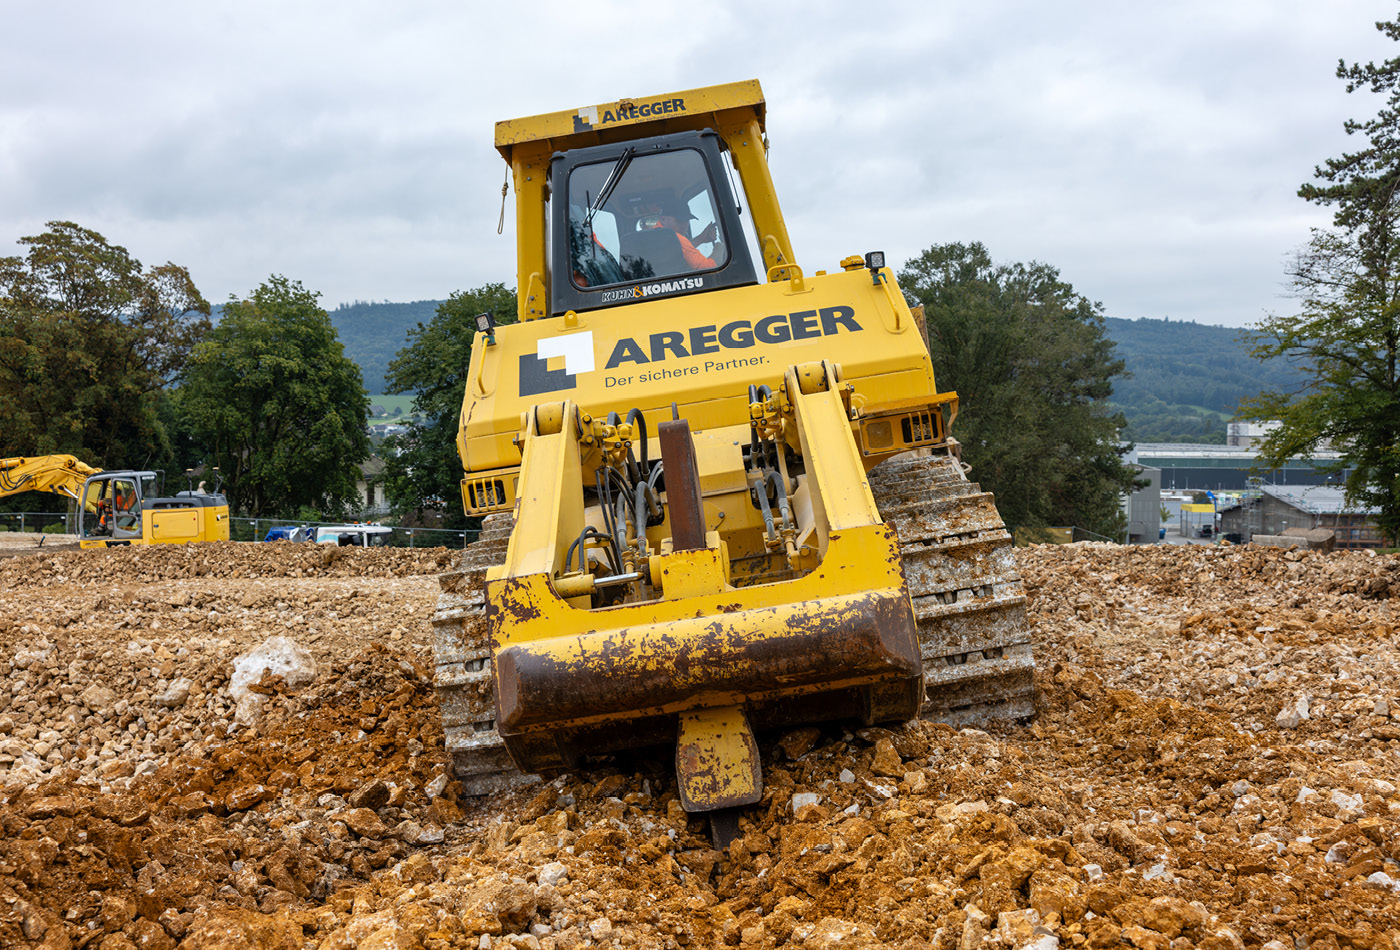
(1217, 468)
(1279, 508)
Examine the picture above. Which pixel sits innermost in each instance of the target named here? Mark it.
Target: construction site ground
(1213, 764)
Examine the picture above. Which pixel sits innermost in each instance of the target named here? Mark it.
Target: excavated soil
(1214, 764)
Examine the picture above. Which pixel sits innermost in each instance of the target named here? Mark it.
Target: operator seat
(655, 252)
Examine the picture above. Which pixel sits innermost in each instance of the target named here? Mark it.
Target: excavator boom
(60, 474)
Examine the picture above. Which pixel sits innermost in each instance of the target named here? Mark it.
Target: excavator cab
(112, 505)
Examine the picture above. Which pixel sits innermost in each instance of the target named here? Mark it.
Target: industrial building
(1279, 508)
(1224, 467)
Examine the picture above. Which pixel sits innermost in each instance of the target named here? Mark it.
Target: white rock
(24, 659)
(1305, 794)
(1043, 942)
(175, 694)
(1382, 879)
(1292, 714)
(1244, 803)
(429, 834)
(851, 809)
(437, 786)
(1093, 872)
(1239, 789)
(1157, 871)
(1347, 804)
(601, 929)
(553, 874)
(284, 657)
(847, 776)
(97, 698)
(803, 799)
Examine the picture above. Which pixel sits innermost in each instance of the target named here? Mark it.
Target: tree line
(121, 365)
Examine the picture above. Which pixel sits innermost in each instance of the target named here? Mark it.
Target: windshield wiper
(614, 177)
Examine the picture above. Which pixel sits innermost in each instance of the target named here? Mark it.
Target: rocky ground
(1213, 764)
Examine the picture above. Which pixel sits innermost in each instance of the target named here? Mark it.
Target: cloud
(1152, 154)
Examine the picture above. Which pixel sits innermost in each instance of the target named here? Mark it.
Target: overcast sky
(1152, 153)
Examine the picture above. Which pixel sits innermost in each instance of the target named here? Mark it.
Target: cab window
(96, 513)
(646, 217)
(125, 508)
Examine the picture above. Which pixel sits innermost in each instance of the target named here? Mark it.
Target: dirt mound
(233, 559)
(334, 782)
(1213, 764)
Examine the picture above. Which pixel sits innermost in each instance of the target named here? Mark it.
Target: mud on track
(1213, 764)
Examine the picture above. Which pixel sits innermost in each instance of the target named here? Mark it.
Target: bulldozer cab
(637, 199)
(652, 217)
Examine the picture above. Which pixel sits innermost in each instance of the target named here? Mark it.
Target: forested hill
(1187, 377)
(373, 332)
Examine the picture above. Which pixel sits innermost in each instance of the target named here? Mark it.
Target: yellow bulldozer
(720, 492)
(117, 508)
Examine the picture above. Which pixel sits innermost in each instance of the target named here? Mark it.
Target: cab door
(95, 512)
(126, 509)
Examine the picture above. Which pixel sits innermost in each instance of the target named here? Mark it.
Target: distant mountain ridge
(373, 332)
(1187, 378)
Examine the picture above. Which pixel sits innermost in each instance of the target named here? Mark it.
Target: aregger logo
(652, 290)
(574, 354)
(735, 335)
(589, 117)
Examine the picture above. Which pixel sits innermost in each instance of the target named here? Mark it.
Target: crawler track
(462, 655)
(969, 602)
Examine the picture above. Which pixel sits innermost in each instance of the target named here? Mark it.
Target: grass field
(389, 403)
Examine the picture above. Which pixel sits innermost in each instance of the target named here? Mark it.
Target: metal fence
(248, 529)
(47, 522)
(256, 529)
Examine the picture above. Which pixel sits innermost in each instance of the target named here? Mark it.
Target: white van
(354, 535)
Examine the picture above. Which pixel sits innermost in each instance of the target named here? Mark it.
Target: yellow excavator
(117, 508)
(720, 491)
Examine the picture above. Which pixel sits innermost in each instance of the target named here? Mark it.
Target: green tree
(422, 471)
(1346, 332)
(1033, 371)
(89, 342)
(277, 405)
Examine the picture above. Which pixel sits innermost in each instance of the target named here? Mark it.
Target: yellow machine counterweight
(720, 494)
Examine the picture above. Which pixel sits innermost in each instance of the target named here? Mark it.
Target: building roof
(1196, 450)
(1317, 499)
